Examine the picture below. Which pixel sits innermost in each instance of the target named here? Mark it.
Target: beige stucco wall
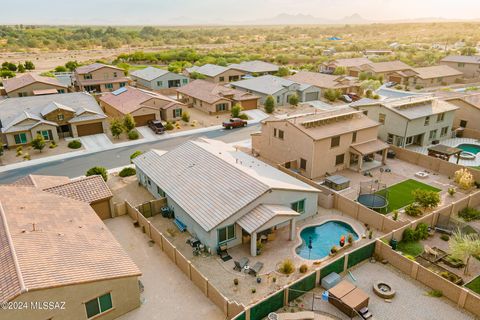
(435, 82)
(103, 75)
(124, 291)
(146, 110)
(470, 70)
(468, 113)
(226, 76)
(204, 106)
(31, 134)
(34, 86)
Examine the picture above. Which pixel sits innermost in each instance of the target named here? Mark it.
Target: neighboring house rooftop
(210, 70)
(267, 84)
(49, 241)
(93, 67)
(129, 99)
(255, 66)
(89, 189)
(462, 59)
(472, 99)
(212, 92)
(396, 65)
(437, 72)
(40, 181)
(351, 62)
(28, 79)
(15, 110)
(228, 179)
(321, 80)
(149, 73)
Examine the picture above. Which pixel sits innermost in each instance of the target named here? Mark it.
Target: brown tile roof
(27, 79)
(322, 80)
(88, 189)
(437, 72)
(387, 66)
(210, 92)
(92, 67)
(352, 62)
(57, 241)
(369, 147)
(133, 98)
(41, 182)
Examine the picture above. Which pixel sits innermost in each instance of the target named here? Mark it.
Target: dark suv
(156, 126)
(234, 123)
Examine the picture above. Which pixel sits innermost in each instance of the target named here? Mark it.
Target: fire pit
(383, 290)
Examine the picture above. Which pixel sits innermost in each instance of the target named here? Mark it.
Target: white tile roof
(267, 84)
(263, 213)
(149, 73)
(208, 69)
(255, 66)
(211, 180)
(52, 106)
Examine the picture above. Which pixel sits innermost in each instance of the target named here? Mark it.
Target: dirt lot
(127, 189)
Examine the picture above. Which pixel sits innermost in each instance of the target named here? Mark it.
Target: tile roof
(263, 213)
(462, 59)
(57, 241)
(387, 66)
(149, 73)
(437, 72)
(212, 196)
(268, 84)
(27, 79)
(92, 67)
(322, 80)
(52, 106)
(212, 92)
(210, 70)
(255, 66)
(132, 99)
(40, 181)
(89, 189)
(351, 62)
(369, 147)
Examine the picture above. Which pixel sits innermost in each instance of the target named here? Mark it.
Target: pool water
(473, 148)
(324, 237)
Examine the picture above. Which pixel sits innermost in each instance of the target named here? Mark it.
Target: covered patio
(262, 219)
(362, 155)
(444, 152)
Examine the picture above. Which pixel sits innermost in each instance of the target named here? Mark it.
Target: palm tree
(464, 246)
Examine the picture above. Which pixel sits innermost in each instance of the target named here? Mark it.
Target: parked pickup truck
(156, 126)
(234, 123)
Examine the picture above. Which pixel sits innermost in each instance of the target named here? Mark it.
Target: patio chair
(430, 251)
(239, 265)
(222, 252)
(255, 269)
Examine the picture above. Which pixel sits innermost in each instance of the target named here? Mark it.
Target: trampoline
(373, 201)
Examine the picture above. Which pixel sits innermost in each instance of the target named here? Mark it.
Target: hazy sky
(208, 11)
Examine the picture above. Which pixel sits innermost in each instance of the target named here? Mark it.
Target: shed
(337, 182)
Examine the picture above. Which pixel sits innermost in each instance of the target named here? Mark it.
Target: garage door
(249, 104)
(88, 129)
(310, 96)
(395, 79)
(353, 73)
(142, 120)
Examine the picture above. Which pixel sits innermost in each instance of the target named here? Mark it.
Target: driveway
(147, 133)
(96, 142)
(168, 293)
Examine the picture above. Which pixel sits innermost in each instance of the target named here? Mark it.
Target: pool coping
(328, 218)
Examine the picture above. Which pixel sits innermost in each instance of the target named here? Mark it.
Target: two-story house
(156, 79)
(99, 77)
(32, 84)
(216, 73)
(468, 65)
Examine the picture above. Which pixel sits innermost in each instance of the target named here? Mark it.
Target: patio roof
(443, 149)
(262, 214)
(369, 147)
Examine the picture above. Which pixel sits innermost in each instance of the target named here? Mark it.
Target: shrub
(444, 237)
(395, 215)
(464, 178)
(435, 293)
(350, 238)
(97, 171)
(135, 154)
(116, 127)
(426, 198)
(127, 172)
(469, 214)
(38, 143)
(243, 116)
(19, 151)
(236, 110)
(376, 96)
(418, 87)
(409, 256)
(128, 122)
(293, 100)
(133, 135)
(287, 267)
(339, 71)
(75, 144)
(413, 210)
(421, 231)
(334, 250)
(408, 235)
(269, 104)
(235, 281)
(53, 145)
(169, 126)
(254, 290)
(451, 191)
(186, 116)
(332, 94)
(26, 156)
(303, 268)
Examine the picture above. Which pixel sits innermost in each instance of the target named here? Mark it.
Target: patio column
(292, 229)
(253, 244)
(384, 156)
(360, 163)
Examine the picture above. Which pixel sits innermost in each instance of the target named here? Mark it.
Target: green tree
(60, 69)
(71, 65)
(97, 171)
(468, 51)
(116, 127)
(339, 71)
(196, 75)
(21, 68)
(186, 116)
(464, 246)
(426, 198)
(236, 110)
(370, 84)
(283, 72)
(9, 66)
(293, 100)
(128, 122)
(29, 65)
(332, 94)
(38, 143)
(4, 73)
(269, 104)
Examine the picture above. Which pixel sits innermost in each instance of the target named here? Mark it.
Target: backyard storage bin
(331, 280)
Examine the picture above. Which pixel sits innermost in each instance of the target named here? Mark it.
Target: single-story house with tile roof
(215, 73)
(53, 116)
(433, 76)
(215, 98)
(32, 84)
(329, 67)
(255, 67)
(99, 77)
(152, 78)
(326, 81)
(388, 70)
(219, 193)
(92, 190)
(143, 105)
(56, 249)
(279, 88)
(468, 65)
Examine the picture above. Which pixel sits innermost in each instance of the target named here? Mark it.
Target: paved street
(77, 166)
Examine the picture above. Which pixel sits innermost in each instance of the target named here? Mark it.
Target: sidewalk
(97, 143)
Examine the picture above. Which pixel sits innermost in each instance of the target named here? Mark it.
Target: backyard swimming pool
(324, 237)
(473, 148)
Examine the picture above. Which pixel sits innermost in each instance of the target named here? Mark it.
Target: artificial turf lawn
(400, 194)
(413, 248)
(474, 285)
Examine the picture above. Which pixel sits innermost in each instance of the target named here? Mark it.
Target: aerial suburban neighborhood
(240, 160)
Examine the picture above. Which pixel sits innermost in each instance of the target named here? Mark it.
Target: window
(221, 79)
(463, 123)
(444, 132)
(303, 164)
(365, 112)
(174, 83)
(409, 140)
(340, 159)
(390, 138)
(381, 118)
(354, 136)
(98, 305)
(160, 192)
(226, 234)
(433, 134)
(114, 74)
(108, 85)
(22, 94)
(46, 134)
(185, 81)
(278, 99)
(159, 84)
(149, 181)
(440, 117)
(280, 134)
(427, 121)
(233, 78)
(221, 107)
(87, 76)
(298, 206)
(61, 91)
(60, 117)
(439, 80)
(275, 132)
(335, 142)
(20, 138)
(121, 84)
(460, 65)
(177, 113)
